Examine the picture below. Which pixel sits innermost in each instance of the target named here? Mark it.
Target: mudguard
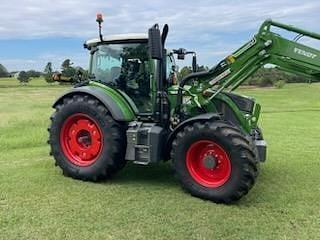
(119, 108)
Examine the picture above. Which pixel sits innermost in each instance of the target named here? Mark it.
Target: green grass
(37, 202)
(34, 82)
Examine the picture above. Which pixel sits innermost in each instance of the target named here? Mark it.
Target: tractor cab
(123, 63)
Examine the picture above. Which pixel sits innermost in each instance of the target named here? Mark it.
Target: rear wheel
(85, 140)
(81, 139)
(214, 161)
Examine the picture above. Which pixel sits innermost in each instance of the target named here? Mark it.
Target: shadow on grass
(159, 174)
(162, 175)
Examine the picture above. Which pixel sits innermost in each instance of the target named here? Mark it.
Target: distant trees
(48, 73)
(68, 74)
(66, 64)
(34, 74)
(186, 70)
(23, 77)
(264, 77)
(67, 69)
(203, 68)
(3, 71)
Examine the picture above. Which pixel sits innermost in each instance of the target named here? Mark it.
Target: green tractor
(132, 109)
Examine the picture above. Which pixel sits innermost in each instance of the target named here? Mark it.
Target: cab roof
(118, 37)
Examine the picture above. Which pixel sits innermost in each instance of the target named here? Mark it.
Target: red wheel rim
(208, 163)
(81, 139)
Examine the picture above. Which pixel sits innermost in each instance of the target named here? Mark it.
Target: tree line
(4, 72)
(68, 71)
(264, 77)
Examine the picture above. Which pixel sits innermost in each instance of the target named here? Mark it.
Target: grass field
(37, 202)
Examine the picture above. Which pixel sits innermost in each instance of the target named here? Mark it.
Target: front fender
(119, 108)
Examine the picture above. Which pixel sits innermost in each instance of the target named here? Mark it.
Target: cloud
(70, 18)
(210, 27)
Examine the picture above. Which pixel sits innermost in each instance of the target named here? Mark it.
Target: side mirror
(181, 56)
(155, 42)
(194, 63)
(181, 53)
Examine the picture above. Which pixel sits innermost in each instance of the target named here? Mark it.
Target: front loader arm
(266, 47)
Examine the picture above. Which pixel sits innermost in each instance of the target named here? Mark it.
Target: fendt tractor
(132, 108)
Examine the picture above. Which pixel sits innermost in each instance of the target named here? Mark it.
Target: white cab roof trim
(129, 36)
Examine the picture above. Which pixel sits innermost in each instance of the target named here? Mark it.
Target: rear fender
(119, 108)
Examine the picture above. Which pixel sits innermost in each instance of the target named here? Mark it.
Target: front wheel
(214, 161)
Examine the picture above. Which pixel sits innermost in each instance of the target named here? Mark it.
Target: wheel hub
(84, 138)
(208, 163)
(81, 139)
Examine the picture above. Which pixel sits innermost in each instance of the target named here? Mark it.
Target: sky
(34, 32)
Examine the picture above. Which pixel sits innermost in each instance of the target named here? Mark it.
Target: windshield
(126, 67)
(114, 63)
